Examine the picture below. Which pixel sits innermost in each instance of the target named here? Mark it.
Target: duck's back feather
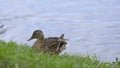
(55, 44)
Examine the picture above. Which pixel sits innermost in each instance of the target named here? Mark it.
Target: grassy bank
(14, 56)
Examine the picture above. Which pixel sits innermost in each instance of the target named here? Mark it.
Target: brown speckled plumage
(52, 45)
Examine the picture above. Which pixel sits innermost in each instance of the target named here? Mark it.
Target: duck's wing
(51, 41)
(55, 44)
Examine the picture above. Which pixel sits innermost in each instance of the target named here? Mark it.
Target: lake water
(92, 26)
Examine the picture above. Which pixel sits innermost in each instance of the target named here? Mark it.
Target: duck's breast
(38, 44)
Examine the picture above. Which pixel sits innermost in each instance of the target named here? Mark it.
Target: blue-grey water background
(92, 26)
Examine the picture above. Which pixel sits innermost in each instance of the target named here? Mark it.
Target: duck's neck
(41, 38)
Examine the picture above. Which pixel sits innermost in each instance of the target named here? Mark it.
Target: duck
(51, 45)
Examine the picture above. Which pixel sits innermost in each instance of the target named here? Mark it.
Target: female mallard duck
(52, 45)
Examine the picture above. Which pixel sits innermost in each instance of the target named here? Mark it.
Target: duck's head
(37, 34)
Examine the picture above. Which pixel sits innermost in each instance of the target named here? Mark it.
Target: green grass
(13, 55)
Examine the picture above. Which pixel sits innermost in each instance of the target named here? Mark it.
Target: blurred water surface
(92, 26)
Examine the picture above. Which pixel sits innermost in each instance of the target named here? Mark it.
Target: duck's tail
(62, 36)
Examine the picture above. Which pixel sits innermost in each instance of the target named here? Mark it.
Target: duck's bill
(29, 39)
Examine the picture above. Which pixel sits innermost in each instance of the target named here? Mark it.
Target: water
(92, 27)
